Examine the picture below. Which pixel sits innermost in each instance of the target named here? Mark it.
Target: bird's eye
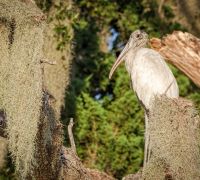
(138, 36)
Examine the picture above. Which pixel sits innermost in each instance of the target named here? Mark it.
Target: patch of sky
(111, 39)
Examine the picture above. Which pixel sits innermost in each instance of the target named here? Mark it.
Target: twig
(71, 137)
(48, 62)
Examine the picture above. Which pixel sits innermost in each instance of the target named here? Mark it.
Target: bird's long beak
(120, 59)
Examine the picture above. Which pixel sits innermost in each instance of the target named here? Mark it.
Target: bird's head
(138, 39)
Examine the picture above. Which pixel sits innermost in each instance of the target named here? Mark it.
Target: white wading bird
(149, 74)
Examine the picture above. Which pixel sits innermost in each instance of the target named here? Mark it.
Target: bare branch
(48, 62)
(71, 137)
(182, 50)
(73, 168)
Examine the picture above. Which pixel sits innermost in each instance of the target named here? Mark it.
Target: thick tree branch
(183, 51)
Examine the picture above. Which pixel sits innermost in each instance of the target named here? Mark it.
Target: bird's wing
(151, 76)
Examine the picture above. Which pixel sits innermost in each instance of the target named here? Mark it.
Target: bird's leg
(168, 87)
(147, 135)
(147, 141)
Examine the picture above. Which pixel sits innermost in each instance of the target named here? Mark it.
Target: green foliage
(112, 135)
(63, 33)
(62, 36)
(44, 5)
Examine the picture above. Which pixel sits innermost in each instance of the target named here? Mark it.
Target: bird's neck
(130, 57)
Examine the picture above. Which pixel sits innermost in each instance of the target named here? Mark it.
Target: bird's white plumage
(150, 75)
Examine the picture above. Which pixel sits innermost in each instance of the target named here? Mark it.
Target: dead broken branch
(182, 50)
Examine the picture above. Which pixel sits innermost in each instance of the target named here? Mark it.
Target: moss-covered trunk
(173, 145)
(32, 91)
(174, 141)
(21, 78)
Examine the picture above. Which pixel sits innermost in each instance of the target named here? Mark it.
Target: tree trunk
(32, 92)
(56, 79)
(21, 89)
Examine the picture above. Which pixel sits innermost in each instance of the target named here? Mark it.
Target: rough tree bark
(56, 69)
(21, 41)
(174, 129)
(183, 51)
(174, 141)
